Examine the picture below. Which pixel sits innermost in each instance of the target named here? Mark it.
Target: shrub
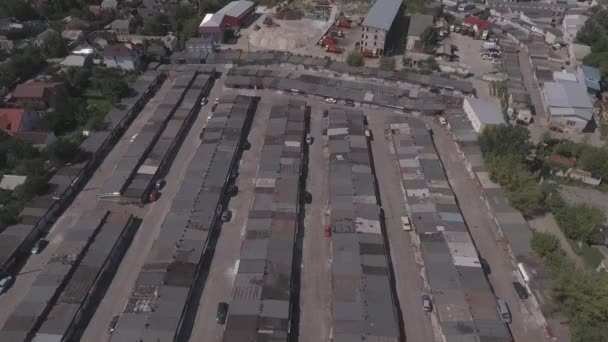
(544, 243)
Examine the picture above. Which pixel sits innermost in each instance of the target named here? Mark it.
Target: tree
(429, 38)
(34, 185)
(64, 151)
(503, 139)
(157, 26)
(188, 30)
(63, 118)
(55, 47)
(387, 63)
(21, 10)
(544, 244)
(355, 59)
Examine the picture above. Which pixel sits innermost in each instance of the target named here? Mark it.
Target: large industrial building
(233, 15)
(377, 29)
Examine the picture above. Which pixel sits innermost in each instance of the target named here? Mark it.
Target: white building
(571, 25)
(568, 104)
(482, 113)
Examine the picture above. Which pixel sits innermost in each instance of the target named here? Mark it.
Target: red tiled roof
(561, 160)
(10, 118)
(33, 90)
(481, 24)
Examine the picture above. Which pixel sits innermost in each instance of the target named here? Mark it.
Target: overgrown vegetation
(544, 243)
(580, 293)
(22, 66)
(583, 296)
(595, 34)
(429, 39)
(387, 63)
(589, 158)
(355, 59)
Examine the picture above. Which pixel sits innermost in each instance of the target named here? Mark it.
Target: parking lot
(469, 51)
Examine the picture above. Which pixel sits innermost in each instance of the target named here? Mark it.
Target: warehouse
(482, 113)
(234, 15)
(377, 29)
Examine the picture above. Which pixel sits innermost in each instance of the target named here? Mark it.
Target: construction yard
(316, 29)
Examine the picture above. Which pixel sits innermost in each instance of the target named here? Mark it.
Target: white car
(203, 101)
(330, 100)
(442, 120)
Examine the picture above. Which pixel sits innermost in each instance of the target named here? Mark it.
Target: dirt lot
(296, 36)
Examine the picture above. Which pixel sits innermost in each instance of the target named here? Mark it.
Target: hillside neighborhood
(304, 170)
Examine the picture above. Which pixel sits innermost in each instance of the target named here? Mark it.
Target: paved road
(316, 287)
(220, 281)
(85, 201)
(527, 320)
(153, 216)
(407, 266)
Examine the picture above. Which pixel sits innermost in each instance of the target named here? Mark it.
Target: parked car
(330, 100)
(153, 195)
(112, 325)
(226, 216)
(503, 310)
(485, 266)
(325, 113)
(442, 120)
(5, 283)
(405, 222)
(521, 290)
(349, 103)
(327, 231)
(222, 312)
(427, 303)
(160, 183)
(204, 101)
(39, 246)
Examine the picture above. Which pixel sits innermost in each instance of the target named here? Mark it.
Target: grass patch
(591, 256)
(604, 131)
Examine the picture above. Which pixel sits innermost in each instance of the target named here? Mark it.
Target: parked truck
(370, 53)
(334, 49)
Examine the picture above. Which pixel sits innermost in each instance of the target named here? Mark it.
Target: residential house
(74, 60)
(122, 26)
(77, 24)
(418, 24)
(36, 95)
(11, 182)
(38, 139)
(46, 37)
(571, 25)
(122, 56)
(152, 8)
(101, 39)
(74, 37)
(568, 105)
(5, 44)
(111, 4)
(378, 27)
(591, 77)
(17, 120)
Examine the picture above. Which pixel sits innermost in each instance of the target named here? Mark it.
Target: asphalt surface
(86, 200)
(316, 286)
(528, 324)
(220, 280)
(407, 261)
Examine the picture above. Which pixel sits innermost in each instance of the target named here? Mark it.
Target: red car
(327, 231)
(153, 195)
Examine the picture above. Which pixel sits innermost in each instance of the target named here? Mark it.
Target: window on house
(366, 37)
(375, 36)
(365, 44)
(374, 43)
(362, 36)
